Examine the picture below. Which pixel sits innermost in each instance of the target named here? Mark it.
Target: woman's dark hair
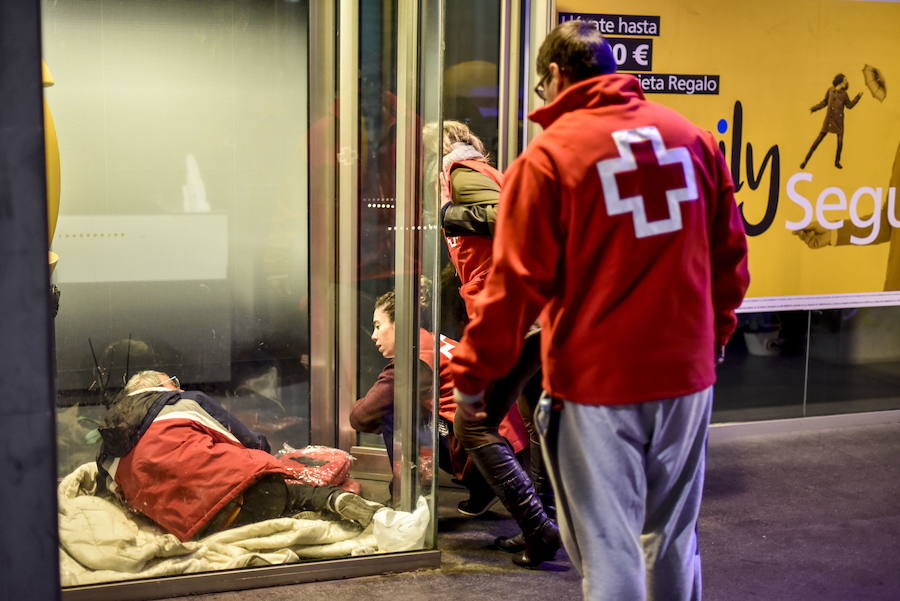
(579, 49)
(838, 79)
(387, 303)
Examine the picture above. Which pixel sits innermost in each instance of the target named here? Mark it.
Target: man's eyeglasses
(539, 89)
(173, 380)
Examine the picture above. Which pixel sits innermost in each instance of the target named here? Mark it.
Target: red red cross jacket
(618, 225)
(471, 255)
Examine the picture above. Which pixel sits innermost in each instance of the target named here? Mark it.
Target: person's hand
(446, 195)
(471, 406)
(815, 236)
(720, 355)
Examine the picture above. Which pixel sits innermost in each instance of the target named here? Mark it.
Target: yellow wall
(778, 59)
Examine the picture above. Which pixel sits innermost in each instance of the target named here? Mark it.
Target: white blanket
(101, 540)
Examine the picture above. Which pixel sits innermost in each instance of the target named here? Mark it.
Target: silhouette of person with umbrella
(836, 99)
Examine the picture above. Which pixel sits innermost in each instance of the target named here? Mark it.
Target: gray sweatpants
(628, 481)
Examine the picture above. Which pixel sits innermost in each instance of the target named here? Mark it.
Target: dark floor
(811, 516)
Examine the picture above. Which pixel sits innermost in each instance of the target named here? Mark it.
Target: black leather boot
(481, 494)
(540, 547)
(500, 468)
(538, 475)
(510, 544)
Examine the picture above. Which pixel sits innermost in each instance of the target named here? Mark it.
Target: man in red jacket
(618, 227)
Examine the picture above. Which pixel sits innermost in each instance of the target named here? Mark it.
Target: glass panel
(472, 56)
(377, 184)
(433, 423)
(182, 233)
(764, 369)
(470, 95)
(397, 244)
(184, 244)
(854, 362)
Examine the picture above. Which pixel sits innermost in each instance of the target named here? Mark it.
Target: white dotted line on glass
(96, 235)
(392, 228)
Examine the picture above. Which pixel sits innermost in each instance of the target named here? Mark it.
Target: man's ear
(557, 74)
(553, 70)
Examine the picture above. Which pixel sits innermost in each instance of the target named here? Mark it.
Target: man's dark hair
(838, 79)
(579, 49)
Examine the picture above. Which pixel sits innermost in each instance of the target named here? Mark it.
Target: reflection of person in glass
(186, 463)
(470, 190)
(471, 193)
(817, 236)
(374, 412)
(836, 99)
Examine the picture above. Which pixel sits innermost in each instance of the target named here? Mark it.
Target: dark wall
(29, 564)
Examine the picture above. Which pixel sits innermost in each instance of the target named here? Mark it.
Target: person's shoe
(477, 505)
(838, 165)
(510, 544)
(540, 547)
(803, 165)
(354, 508)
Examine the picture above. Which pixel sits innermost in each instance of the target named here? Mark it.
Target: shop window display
(183, 250)
(787, 364)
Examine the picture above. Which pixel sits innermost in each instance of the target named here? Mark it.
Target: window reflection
(184, 243)
(764, 369)
(854, 362)
(183, 206)
(806, 363)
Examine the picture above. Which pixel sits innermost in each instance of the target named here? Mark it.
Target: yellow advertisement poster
(804, 98)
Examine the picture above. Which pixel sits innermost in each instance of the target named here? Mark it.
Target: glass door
(182, 233)
(388, 244)
(240, 181)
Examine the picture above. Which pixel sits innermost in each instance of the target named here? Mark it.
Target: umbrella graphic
(875, 82)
